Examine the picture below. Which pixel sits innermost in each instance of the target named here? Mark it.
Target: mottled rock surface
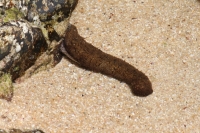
(20, 131)
(21, 45)
(30, 34)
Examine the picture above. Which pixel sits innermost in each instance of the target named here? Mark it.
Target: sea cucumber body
(92, 58)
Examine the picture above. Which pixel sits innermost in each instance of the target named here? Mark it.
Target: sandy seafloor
(159, 37)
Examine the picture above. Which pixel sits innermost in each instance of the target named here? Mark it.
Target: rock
(6, 88)
(20, 131)
(30, 35)
(20, 46)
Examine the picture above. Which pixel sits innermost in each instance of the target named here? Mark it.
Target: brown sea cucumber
(92, 58)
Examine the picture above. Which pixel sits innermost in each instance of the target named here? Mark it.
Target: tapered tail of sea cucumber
(91, 58)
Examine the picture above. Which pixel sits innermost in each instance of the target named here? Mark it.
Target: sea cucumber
(91, 58)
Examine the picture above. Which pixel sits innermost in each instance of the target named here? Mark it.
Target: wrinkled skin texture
(91, 58)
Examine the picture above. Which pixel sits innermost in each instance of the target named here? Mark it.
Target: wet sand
(160, 38)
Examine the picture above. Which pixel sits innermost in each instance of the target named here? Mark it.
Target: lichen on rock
(11, 14)
(30, 35)
(6, 86)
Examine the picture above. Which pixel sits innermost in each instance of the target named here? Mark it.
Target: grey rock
(30, 36)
